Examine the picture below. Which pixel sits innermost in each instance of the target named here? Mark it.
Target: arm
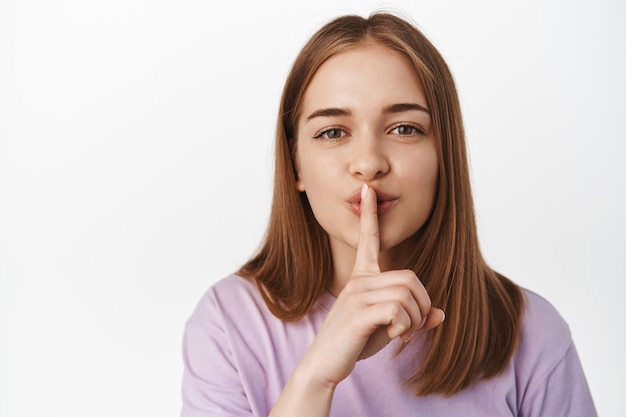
(563, 393)
(211, 382)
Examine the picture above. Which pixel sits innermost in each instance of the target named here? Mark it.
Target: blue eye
(333, 134)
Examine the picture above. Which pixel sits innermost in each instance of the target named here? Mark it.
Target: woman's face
(365, 119)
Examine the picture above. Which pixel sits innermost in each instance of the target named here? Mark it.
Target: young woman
(371, 244)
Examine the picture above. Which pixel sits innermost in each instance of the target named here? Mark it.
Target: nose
(368, 160)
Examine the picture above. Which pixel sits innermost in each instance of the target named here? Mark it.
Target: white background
(135, 170)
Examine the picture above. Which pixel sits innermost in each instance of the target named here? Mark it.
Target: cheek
(322, 184)
(431, 176)
(316, 172)
(431, 181)
(421, 169)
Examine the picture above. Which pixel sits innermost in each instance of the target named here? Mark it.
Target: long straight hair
(294, 265)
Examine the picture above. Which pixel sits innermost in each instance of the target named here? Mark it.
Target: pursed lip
(384, 201)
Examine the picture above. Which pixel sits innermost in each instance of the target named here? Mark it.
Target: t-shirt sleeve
(558, 385)
(211, 383)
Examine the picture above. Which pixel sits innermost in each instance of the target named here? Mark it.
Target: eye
(332, 133)
(404, 129)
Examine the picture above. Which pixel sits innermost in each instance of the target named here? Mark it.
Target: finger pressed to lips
(398, 296)
(369, 239)
(384, 201)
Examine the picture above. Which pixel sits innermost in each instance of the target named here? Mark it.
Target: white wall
(135, 157)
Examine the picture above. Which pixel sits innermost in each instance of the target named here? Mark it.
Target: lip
(384, 201)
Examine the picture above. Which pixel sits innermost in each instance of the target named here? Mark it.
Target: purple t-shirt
(238, 357)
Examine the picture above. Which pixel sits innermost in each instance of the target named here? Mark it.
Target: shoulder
(228, 299)
(545, 335)
(232, 341)
(549, 378)
(545, 341)
(220, 350)
(542, 321)
(235, 308)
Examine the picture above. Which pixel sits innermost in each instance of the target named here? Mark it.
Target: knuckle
(375, 234)
(406, 296)
(352, 285)
(395, 311)
(408, 276)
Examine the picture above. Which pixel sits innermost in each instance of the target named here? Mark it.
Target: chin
(400, 245)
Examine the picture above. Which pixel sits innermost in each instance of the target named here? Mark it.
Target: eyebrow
(394, 108)
(402, 107)
(329, 112)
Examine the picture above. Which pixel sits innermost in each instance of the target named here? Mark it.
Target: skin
(343, 159)
(379, 133)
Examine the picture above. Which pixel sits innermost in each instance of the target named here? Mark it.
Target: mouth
(384, 201)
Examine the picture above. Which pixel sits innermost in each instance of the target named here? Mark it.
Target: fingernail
(444, 316)
(408, 338)
(363, 191)
(423, 322)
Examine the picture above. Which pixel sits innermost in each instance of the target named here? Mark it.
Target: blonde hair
(294, 265)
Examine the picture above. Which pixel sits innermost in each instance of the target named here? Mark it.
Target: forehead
(371, 73)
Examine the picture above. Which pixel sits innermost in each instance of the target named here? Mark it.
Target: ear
(299, 183)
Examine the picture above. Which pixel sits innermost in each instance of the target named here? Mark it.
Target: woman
(371, 244)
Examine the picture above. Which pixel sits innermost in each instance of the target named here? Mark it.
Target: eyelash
(416, 130)
(341, 132)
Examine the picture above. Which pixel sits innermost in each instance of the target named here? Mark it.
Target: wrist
(307, 375)
(306, 394)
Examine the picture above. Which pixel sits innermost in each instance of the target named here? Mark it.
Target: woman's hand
(373, 308)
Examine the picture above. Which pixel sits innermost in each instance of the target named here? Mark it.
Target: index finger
(369, 237)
